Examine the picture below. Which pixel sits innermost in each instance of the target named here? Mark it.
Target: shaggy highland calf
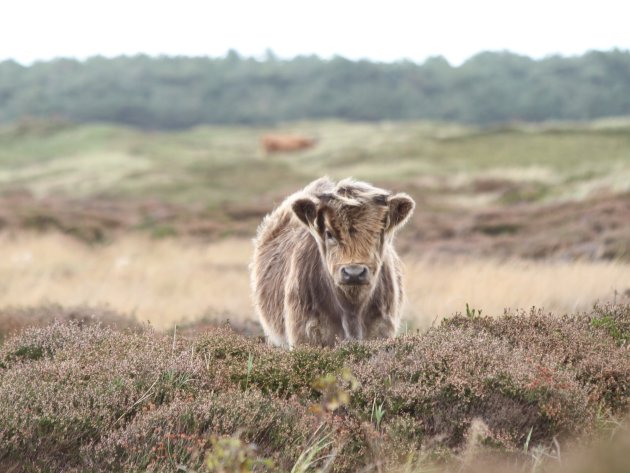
(325, 268)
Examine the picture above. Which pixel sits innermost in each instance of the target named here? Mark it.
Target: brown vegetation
(14, 320)
(82, 396)
(591, 229)
(97, 220)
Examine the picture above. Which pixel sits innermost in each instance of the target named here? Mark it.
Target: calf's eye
(330, 237)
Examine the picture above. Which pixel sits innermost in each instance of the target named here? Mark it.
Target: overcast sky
(384, 31)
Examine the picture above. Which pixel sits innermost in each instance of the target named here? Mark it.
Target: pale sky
(383, 31)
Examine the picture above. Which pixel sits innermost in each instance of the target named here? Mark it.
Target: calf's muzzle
(355, 274)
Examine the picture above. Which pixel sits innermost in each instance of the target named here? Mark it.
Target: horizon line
(270, 56)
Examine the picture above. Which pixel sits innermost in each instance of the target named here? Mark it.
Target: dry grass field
(175, 281)
(161, 281)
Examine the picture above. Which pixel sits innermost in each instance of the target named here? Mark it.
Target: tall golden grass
(174, 280)
(438, 289)
(161, 281)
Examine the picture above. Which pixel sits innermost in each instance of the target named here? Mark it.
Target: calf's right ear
(400, 209)
(306, 210)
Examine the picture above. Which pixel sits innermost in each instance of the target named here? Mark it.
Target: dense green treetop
(177, 92)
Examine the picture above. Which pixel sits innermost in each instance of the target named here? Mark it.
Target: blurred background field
(139, 151)
(157, 224)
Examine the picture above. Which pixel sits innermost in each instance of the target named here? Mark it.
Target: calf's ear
(306, 210)
(400, 209)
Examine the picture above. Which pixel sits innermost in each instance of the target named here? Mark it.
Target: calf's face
(351, 228)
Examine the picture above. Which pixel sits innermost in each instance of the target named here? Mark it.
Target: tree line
(178, 92)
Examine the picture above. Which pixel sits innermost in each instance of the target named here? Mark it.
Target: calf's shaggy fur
(325, 268)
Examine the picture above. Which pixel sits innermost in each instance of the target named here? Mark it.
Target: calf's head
(352, 223)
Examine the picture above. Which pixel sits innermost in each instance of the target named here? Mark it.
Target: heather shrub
(594, 347)
(276, 372)
(15, 319)
(615, 320)
(85, 397)
(89, 380)
(35, 343)
(446, 378)
(181, 432)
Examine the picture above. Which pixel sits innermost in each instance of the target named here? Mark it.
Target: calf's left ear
(400, 209)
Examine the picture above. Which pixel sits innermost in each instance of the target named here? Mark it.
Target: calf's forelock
(352, 205)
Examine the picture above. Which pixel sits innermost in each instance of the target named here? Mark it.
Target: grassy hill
(210, 166)
(90, 180)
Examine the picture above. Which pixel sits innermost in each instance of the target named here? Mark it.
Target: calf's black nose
(354, 274)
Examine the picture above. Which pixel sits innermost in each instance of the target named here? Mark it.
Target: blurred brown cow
(274, 143)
